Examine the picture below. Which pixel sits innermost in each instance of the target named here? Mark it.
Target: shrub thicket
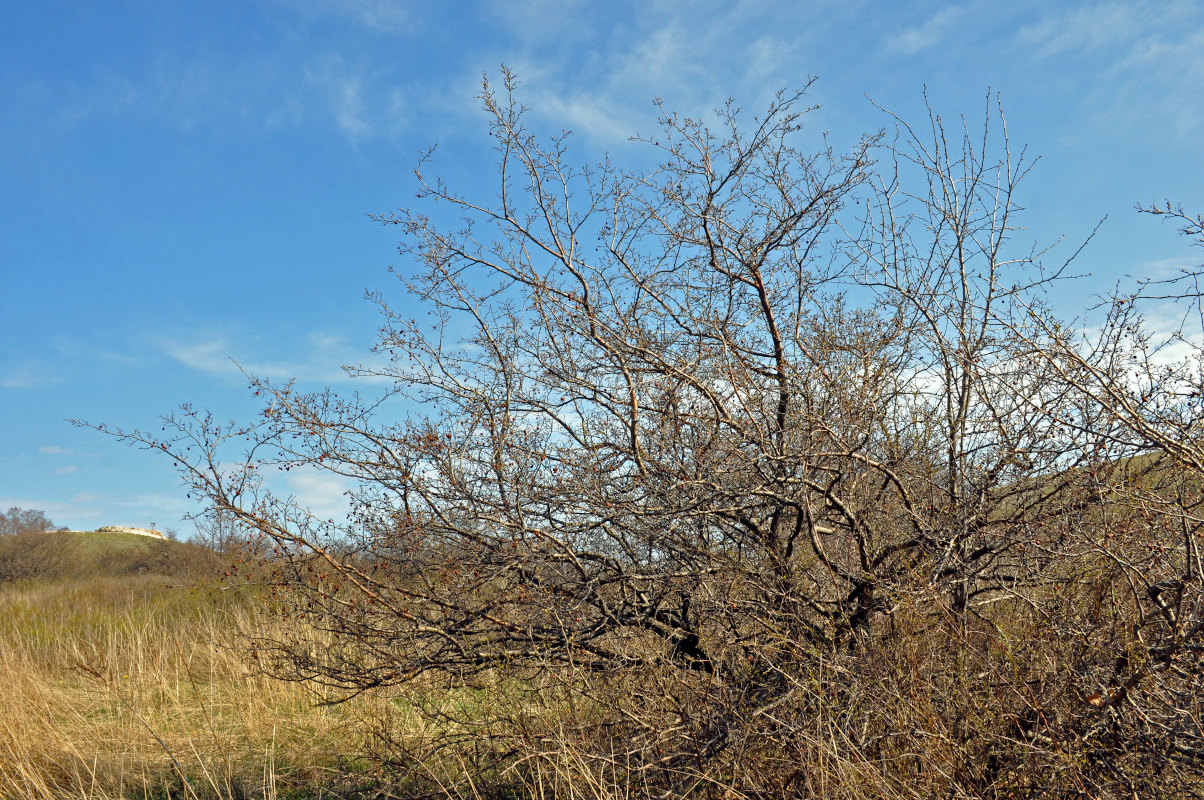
(766, 472)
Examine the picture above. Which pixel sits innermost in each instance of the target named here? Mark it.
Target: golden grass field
(126, 672)
(118, 681)
(125, 686)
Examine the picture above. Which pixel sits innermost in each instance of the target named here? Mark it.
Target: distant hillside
(85, 554)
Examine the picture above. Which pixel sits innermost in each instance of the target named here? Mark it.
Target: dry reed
(119, 687)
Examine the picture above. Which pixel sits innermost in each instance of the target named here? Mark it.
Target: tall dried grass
(120, 687)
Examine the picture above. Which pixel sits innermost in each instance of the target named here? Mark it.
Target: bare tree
(221, 532)
(1138, 389)
(769, 461)
(24, 520)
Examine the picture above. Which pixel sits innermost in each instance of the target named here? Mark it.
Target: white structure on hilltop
(126, 529)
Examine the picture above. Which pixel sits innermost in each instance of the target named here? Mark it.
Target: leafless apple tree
(767, 470)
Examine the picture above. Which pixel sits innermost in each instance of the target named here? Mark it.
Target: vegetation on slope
(125, 676)
(769, 472)
(89, 554)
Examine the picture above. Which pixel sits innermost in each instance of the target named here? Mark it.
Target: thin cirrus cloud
(165, 506)
(29, 375)
(1080, 29)
(320, 359)
(933, 31)
(84, 506)
(604, 90)
(106, 93)
(361, 103)
(325, 493)
(383, 15)
(1147, 61)
(247, 94)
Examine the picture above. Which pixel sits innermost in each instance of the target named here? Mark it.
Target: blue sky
(182, 184)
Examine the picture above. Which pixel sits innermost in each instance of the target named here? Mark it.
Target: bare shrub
(23, 520)
(33, 555)
(763, 473)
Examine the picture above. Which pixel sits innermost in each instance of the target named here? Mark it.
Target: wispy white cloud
(89, 510)
(28, 375)
(105, 94)
(391, 16)
(80, 514)
(64, 360)
(1144, 60)
(67, 470)
(78, 350)
(322, 493)
(1172, 88)
(1164, 268)
(931, 32)
(234, 93)
(55, 450)
(1077, 29)
(348, 106)
(160, 506)
(599, 117)
(695, 56)
(536, 22)
(362, 102)
(317, 358)
(209, 355)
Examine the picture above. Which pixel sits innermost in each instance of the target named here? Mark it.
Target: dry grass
(123, 687)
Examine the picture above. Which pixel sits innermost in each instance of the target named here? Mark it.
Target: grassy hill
(126, 675)
(90, 554)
